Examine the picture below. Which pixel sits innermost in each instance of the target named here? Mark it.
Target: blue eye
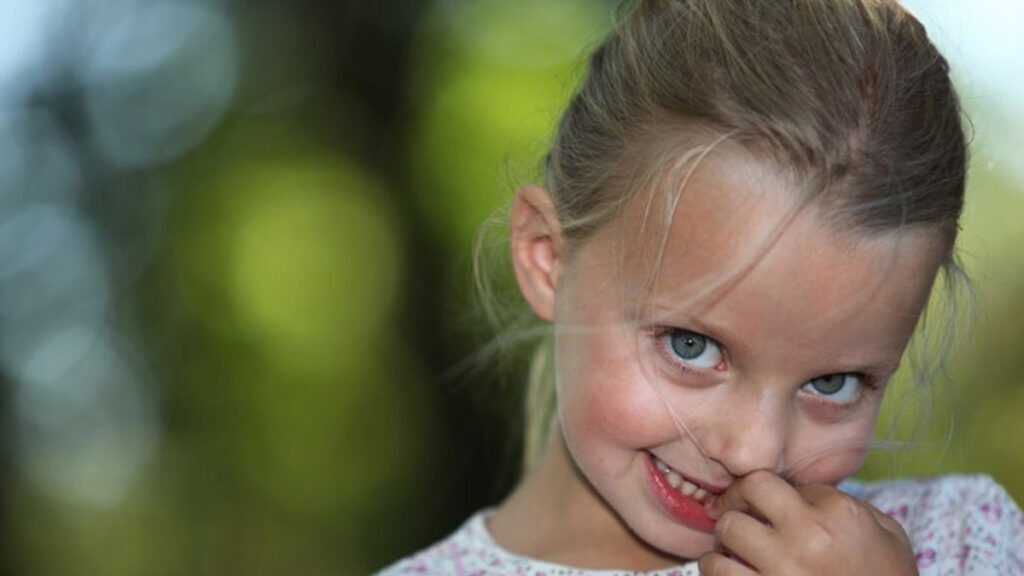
(842, 388)
(695, 349)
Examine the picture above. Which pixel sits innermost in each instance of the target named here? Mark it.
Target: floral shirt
(959, 525)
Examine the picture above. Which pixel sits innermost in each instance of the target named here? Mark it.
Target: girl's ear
(537, 248)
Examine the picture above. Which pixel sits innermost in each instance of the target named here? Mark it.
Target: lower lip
(683, 508)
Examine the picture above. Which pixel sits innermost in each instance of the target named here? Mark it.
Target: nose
(751, 435)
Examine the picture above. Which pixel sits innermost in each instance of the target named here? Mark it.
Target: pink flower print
(991, 512)
(925, 558)
(898, 514)
(962, 556)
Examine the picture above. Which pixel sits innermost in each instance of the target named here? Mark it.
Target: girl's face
(771, 369)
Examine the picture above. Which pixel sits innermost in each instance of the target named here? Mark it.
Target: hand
(774, 529)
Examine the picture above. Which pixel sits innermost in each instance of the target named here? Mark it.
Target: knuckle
(895, 527)
(889, 524)
(843, 503)
(901, 536)
(845, 510)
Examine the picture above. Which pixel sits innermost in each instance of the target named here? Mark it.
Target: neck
(555, 515)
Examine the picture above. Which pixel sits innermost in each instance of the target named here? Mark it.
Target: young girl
(746, 206)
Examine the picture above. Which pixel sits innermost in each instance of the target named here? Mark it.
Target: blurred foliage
(491, 78)
(231, 283)
(974, 419)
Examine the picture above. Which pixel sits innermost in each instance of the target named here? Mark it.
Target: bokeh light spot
(314, 261)
(161, 76)
(84, 419)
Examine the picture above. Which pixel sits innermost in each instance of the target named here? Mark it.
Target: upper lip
(713, 488)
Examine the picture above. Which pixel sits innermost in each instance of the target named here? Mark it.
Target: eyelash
(868, 386)
(659, 334)
(868, 383)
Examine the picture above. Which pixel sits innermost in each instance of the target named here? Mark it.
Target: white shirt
(959, 526)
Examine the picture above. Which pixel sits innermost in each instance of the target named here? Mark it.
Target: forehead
(740, 256)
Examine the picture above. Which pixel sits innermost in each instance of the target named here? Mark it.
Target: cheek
(835, 456)
(604, 393)
(829, 470)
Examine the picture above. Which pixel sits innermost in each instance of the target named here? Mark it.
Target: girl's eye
(695, 349)
(844, 388)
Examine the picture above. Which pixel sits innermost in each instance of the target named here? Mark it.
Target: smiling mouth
(685, 486)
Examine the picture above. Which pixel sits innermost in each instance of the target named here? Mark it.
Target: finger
(833, 502)
(715, 564)
(764, 494)
(747, 538)
(887, 522)
(813, 494)
(823, 496)
(828, 497)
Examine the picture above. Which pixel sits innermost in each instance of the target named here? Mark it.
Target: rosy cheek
(830, 471)
(830, 468)
(604, 407)
(607, 396)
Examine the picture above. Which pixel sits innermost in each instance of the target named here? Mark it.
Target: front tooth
(700, 494)
(688, 488)
(674, 479)
(661, 466)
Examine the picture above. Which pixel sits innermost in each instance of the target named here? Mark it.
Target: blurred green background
(234, 262)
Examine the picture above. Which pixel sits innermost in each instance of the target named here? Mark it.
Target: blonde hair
(849, 94)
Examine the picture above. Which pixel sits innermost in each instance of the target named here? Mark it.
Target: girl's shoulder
(959, 524)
